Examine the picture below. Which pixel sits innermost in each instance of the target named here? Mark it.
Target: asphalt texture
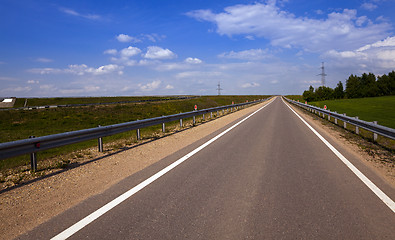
(268, 178)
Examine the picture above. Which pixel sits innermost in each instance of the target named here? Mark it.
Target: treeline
(356, 87)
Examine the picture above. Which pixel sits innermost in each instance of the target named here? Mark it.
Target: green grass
(380, 109)
(295, 97)
(20, 124)
(20, 102)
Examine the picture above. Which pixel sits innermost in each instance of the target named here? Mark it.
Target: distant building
(7, 102)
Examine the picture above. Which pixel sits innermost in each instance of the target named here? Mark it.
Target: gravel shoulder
(375, 157)
(27, 206)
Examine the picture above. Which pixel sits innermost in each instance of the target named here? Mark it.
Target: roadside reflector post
(344, 122)
(163, 127)
(203, 117)
(180, 122)
(100, 143)
(356, 127)
(217, 113)
(211, 115)
(138, 134)
(33, 159)
(194, 120)
(223, 111)
(375, 134)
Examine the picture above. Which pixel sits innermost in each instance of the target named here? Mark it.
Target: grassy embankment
(380, 109)
(20, 124)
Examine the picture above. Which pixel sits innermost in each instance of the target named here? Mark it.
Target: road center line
(96, 214)
(388, 201)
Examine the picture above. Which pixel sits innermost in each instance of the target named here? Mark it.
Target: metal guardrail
(370, 126)
(34, 145)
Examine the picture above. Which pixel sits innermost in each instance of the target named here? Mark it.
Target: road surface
(269, 177)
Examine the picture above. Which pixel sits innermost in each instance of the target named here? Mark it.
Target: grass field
(296, 97)
(380, 109)
(20, 124)
(20, 102)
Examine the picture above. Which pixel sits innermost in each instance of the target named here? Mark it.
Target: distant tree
(309, 95)
(391, 75)
(368, 85)
(386, 84)
(324, 93)
(353, 88)
(338, 92)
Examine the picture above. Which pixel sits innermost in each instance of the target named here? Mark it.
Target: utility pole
(219, 88)
(322, 74)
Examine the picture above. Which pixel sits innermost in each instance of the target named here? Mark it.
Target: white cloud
(111, 51)
(378, 55)
(339, 30)
(44, 71)
(250, 85)
(142, 37)
(168, 87)
(369, 6)
(130, 52)
(124, 56)
(150, 86)
(153, 37)
(252, 54)
(193, 60)
(198, 74)
(155, 52)
(33, 82)
(44, 60)
(80, 70)
(77, 14)
(83, 90)
(126, 38)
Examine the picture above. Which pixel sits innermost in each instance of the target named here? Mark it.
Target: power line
(219, 88)
(322, 74)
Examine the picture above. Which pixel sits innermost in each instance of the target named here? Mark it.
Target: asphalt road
(270, 177)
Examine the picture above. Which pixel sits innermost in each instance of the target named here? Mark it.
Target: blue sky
(52, 48)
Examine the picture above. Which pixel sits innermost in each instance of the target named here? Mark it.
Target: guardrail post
(180, 122)
(194, 120)
(375, 134)
(217, 113)
(138, 134)
(329, 117)
(33, 159)
(344, 122)
(203, 116)
(100, 143)
(211, 115)
(356, 127)
(223, 111)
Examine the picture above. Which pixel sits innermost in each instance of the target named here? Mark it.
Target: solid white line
(93, 216)
(388, 201)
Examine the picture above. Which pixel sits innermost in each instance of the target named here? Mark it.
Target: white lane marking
(387, 200)
(93, 216)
